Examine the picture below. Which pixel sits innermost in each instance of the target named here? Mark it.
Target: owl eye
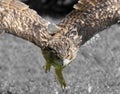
(69, 55)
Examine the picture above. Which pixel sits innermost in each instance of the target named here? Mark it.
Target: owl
(59, 42)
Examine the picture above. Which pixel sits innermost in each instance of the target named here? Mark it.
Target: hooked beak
(66, 62)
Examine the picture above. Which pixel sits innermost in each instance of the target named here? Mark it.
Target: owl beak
(66, 62)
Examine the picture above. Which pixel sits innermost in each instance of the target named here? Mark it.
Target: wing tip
(85, 4)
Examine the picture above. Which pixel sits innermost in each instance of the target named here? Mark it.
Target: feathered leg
(60, 77)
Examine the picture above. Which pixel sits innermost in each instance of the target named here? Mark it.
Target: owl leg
(48, 64)
(47, 67)
(60, 77)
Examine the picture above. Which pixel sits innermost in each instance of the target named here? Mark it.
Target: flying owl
(59, 42)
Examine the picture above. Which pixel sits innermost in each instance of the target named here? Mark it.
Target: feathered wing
(70, 25)
(86, 4)
(88, 18)
(18, 19)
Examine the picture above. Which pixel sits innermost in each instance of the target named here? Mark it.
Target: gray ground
(96, 70)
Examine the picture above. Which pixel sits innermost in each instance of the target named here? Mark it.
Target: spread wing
(18, 19)
(88, 18)
(83, 5)
(77, 27)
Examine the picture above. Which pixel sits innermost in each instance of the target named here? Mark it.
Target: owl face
(61, 52)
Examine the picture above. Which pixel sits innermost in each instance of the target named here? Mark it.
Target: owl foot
(60, 77)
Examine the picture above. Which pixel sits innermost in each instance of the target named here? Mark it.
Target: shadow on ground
(96, 70)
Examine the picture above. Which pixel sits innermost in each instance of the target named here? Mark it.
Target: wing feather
(83, 5)
(24, 9)
(18, 19)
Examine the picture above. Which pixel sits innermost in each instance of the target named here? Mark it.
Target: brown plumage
(59, 47)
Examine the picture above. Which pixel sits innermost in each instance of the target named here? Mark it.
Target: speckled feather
(59, 48)
(89, 21)
(16, 18)
(88, 18)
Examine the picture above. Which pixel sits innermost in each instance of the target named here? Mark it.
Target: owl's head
(62, 51)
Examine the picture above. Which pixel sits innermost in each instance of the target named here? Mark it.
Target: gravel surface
(96, 70)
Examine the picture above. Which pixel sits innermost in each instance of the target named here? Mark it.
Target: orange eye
(67, 56)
